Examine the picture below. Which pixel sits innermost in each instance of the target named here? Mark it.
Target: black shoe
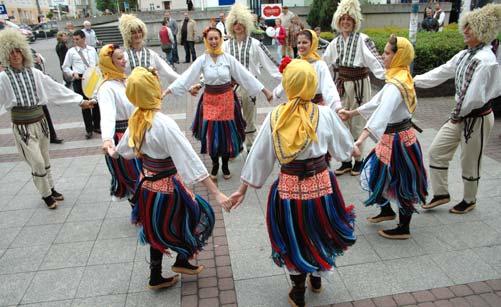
(57, 195)
(50, 202)
(462, 208)
(56, 141)
(226, 172)
(437, 201)
(98, 131)
(182, 266)
(315, 283)
(296, 294)
(344, 168)
(186, 62)
(381, 217)
(401, 232)
(213, 172)
(158, 282)
(357, 168)
(88, 135)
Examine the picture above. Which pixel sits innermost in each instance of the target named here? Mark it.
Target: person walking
(172, 24)
(188, 38)
(90, 35)
(166, 42)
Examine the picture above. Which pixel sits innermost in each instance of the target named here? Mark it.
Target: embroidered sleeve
(372, 59)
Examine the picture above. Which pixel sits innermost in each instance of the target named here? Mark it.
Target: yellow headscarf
(399, 72)
(312, 55)
(219, 49)
(144, 91)
(294, 123)
(108, 69)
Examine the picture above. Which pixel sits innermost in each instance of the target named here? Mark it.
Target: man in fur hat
(24, 91)
(352, 54)
(134, 33)
(478, 80)
(252, 54)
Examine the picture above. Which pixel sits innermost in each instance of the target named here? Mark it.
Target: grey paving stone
(437, 239)
(113, 251)
(108, 301)
(93, 196)
(42, 216)
(8, 235)
(464, 266)
(476, 234)
(333, 291)
(16, 218)
(494, 222)
(98, 182)
(96, 211)
(169, 298)
(490, 254)
(22, 201)
(67, 255)
(105, 279)
(13, 286)
(119, 209)
(417, 273)
(79, 231)
(24, 259)
(117, 228)
(253, 263)
(36, 235)
(368, 280)
(53, 285)
(141, 274)
(11, 188)
(361, 252)
(266, 291)
(387, 249)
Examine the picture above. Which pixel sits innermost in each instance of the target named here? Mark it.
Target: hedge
(432, 48)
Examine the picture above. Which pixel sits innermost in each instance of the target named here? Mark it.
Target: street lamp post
(413, 25)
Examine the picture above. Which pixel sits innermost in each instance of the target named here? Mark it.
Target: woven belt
(26, 115)
(318, 99)
(218, 89)
(305, 168)
(352, 73)
(121, 125)
(406, 124)
(163, 167)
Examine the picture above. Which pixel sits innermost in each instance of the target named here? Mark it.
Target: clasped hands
(195, 89)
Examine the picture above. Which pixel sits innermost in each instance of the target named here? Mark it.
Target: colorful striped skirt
(394, 170)
(171, 216)
(124, 173)
(308, 222)
(218, 123)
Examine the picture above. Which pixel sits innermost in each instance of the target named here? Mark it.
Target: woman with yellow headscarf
(218, 122)
(394, 170)
(172, 218)
(307, 220)
(326, 92)
(115, 112)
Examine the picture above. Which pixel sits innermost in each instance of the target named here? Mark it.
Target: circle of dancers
(320, 118)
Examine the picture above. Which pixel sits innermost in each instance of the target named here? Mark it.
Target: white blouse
(332, 134)
(164, 139)
(325, 86)
(164, 70)
(222, 71)
(386, 107)
(113, 105)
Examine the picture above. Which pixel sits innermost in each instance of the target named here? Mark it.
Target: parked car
(26, 32)
(45, 29)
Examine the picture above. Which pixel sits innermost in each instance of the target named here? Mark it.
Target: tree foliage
(102, 5)
(321, 13)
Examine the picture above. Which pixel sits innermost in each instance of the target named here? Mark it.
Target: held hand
(107, 145)
(268, 94)
(195, 89)
(112, 152)
(76, 76)
(166, 92)
(344, 114)
(87, 104)
(356, 151)
(236, 199)
(224, 201)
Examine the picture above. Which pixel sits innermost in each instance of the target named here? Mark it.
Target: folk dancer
(161, 196)
(218, 122)
(307, 220)
(478, 80)
(352, 54)
(394, 170)
(24, 91)
(252, 54)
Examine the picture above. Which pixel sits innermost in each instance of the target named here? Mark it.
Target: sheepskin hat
(350, 7)
(127, 23)
(485, 22)
(241, 14)
(11, 39)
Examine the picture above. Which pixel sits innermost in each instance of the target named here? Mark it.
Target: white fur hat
(350, 7)
(485, 22)
(127, 23)
(11, 39)
(241, 14)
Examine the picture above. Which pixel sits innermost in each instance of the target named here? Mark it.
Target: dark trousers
(156, 257)
(189, 47)
(175, 56)
(52, 131)
(91, 117)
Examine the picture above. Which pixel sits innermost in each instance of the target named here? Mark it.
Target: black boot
(386, 214)
(57, 195)
(296, 294)
(401, 232)
(344, 168)
(315, 283)
(224, 168)
(357, 168)
(215, 167)
(182, 266)
(156, 279)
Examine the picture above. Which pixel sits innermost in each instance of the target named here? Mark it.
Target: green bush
(327, 35)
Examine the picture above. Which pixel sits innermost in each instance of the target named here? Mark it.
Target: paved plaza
(86, 252)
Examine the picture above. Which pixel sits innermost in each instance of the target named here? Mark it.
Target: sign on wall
(271, 11)
(3, 12)
(226, 2)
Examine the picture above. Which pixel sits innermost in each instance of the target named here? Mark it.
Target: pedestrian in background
(172, 24)
(166, 41)
(188, 38)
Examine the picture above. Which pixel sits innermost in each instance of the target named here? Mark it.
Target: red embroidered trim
(290, 187)
(384, 146)
(219, 106)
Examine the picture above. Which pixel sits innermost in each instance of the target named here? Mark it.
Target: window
(166, 5)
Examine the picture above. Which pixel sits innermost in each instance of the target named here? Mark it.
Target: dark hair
(164, 23)
(79, 33)
(307, 34)
(393, 43)
(209, 29)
